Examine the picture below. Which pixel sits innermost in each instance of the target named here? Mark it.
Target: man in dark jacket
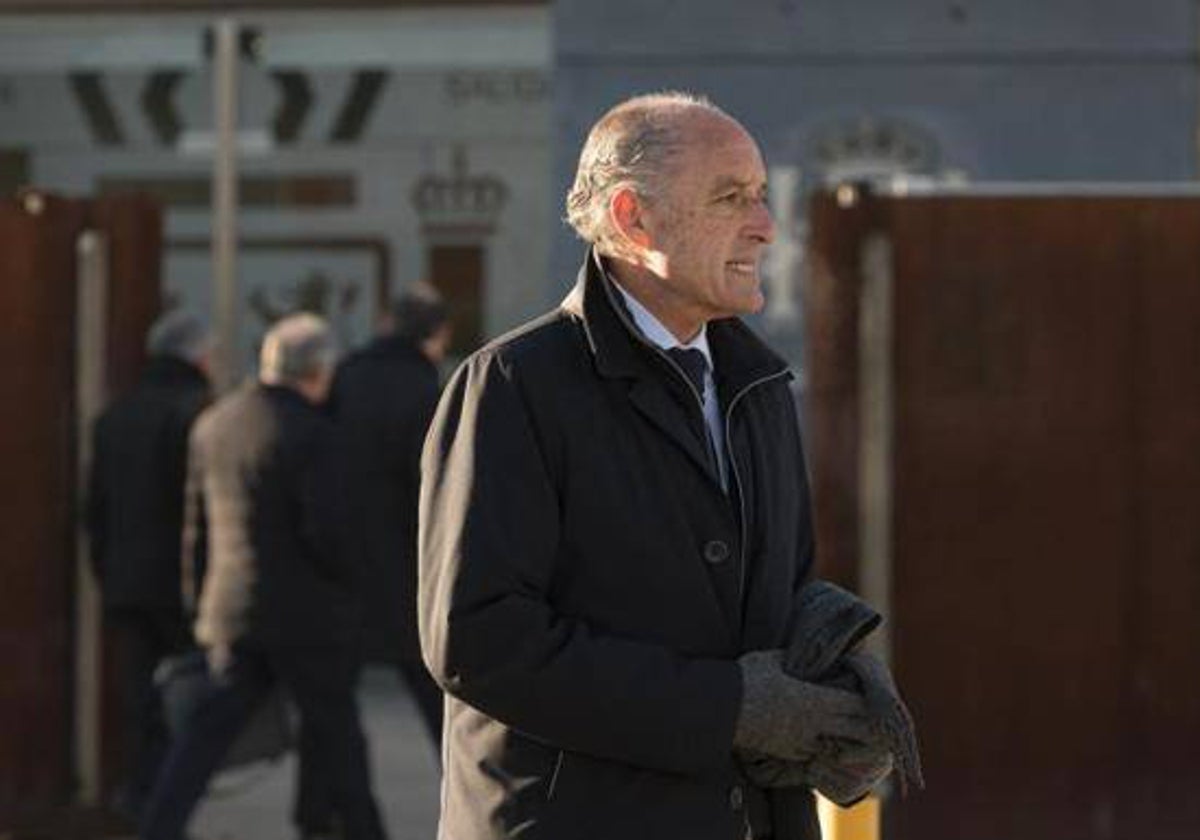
(276, 604)
(615, 520)
(383, 397)
(135, 514)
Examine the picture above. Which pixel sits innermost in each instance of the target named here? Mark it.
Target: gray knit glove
(842, 775)
(852, 776)
(787, 718)
(894, 725)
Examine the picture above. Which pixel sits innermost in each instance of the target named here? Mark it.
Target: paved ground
(255, 803)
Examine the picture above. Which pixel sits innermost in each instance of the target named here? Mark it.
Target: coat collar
(172, 369)
(284, 395)
(740, 358)
(620, 351)
(396, 347)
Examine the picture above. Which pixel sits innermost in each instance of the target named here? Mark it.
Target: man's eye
(729, 198)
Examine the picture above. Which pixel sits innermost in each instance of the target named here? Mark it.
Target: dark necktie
(694, 365)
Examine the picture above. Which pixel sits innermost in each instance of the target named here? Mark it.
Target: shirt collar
(653, 329)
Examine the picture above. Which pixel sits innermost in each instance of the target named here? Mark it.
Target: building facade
(376, 148)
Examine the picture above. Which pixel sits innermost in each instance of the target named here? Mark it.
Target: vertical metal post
(225, 203)
(876, 414)
(875, 447)
(91, 363)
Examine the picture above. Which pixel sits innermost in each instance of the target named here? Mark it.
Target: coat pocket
(590, 798)
(518, 776)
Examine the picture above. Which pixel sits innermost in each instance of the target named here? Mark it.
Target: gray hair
(179, 334)
(295, 348)
(632, 145)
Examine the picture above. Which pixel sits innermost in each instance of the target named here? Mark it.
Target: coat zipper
(737, 479)
(554, 776)
(733, 470)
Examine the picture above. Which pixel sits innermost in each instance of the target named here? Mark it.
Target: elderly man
(135, 517)
(276, 605)
(615, 522)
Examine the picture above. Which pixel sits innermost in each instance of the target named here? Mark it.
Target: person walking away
(135, 518)
(276, 604)
(383, 398)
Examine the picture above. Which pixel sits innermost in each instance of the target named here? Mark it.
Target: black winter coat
(587, 586)
(135, 496)
(262, 516)
(382, 400)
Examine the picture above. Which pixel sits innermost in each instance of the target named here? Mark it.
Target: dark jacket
(262, 516)
(587, 586)
(382, 400)
(135, 497)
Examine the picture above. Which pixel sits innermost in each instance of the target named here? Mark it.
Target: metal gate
(1003, 402)
(44, 755)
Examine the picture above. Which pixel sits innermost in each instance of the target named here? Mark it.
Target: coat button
(716, 551)
(736, 798)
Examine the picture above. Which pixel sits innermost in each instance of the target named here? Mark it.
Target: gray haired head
(179, 334)
(296, 348)
(418, 313)
(633, 145)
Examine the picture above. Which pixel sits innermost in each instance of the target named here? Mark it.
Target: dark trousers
(322, 684)
(144, 638)
(313, 808)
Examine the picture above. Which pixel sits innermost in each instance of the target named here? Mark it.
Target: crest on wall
(869, 148)
(461, 200)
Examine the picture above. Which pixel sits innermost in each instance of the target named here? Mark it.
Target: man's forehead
(725, 153)
(708, 127)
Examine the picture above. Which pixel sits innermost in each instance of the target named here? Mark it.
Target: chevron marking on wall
(158, 101)
(293, 108)
(97, 109)
(356, 110)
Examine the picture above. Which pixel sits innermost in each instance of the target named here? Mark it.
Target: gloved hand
(787, 718)
(850, 776)
(842, 775)
(766, 771)
(893, 722)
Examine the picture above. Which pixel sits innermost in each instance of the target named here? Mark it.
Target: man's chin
(747, 307)
(752, 303)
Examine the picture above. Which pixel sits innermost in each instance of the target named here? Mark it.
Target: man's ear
(626, 213)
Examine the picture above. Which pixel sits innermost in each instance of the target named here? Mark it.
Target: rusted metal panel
(831, 303)
(37, 308)
(1046, 583)
(38, 236)
(1163, 704)
(133, 227)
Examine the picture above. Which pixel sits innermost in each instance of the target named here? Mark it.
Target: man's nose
(761, 226)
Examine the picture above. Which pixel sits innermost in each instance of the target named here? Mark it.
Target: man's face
(710, 223)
